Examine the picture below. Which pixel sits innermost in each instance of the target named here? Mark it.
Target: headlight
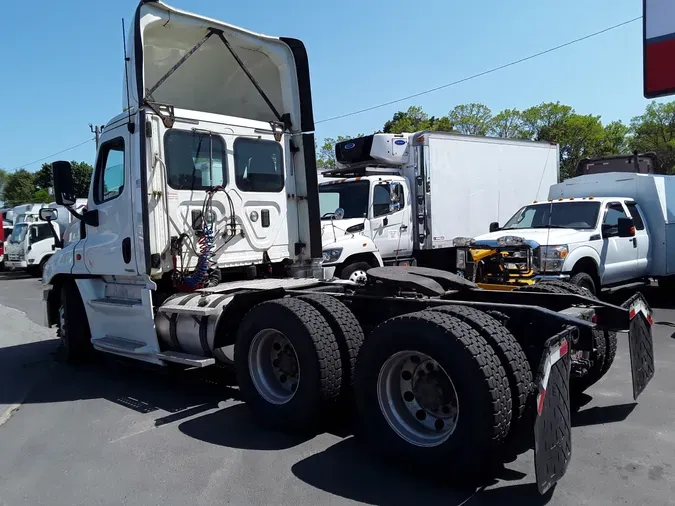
(331, 255)
(510, 240)
(463, 241)
(553, 257)
(461, 259)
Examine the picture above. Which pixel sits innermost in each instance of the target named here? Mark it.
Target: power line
(52, 155)
(480, 74)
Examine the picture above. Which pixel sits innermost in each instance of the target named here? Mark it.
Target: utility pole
(96, 130)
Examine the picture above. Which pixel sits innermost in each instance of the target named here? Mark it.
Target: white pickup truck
(600, 231)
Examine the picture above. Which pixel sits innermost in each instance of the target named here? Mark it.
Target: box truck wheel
(287, 363)
(431, 391)
(356, 272)
(346, 328)
(507, 348)
(73, 327)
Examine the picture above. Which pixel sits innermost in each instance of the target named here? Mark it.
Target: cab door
(108, 249)
(390, 222)
(619, 256)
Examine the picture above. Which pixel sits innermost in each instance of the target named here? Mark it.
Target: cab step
(115, 344)
(186, 359)
(115, 302)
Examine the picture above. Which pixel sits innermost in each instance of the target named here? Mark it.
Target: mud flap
(641, 343)
(552, 427)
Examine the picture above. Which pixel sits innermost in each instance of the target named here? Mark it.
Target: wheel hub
(417, 398)
(274, 366)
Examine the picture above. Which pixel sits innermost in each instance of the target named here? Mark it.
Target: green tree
(43, 177)
(81, 178)
(3, 178)
(655, 131)
(19, 188)
(415, 120)
(508, 123)
(471, 119)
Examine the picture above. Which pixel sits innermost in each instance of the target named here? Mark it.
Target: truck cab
(365, 222)
(366, 206)
(30, 244)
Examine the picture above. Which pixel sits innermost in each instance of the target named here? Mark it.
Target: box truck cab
(399, 199)
(30, 245)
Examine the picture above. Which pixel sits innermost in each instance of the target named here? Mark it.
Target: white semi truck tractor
(201, 245)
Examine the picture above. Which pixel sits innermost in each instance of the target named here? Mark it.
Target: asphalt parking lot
(109, 434)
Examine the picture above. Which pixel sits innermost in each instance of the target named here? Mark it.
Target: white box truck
(400, 199)
(436, 379)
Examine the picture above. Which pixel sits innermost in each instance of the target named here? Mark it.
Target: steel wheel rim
(404, 385)
(359, 277)
(274, 366)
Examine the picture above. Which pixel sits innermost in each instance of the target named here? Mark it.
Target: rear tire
(74, 326)
(507, 348)
(346, 328)
(604, 342)
(287, 363)
(475, 422)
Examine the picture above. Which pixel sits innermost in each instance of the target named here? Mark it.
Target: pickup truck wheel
(287, 363)
(346, 328)
(356, 272)
(73, 329)
(507, 348)
(604, 342)
(583, 280)
(430, 391)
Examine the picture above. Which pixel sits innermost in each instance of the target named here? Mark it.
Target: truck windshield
(577, 215)
(19, 232)
(352, 197)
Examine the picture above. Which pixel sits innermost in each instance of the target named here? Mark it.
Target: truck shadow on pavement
(195, 403)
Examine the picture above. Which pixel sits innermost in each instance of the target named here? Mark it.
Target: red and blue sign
(659, 47)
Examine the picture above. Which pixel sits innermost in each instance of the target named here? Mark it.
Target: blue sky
(62, 61)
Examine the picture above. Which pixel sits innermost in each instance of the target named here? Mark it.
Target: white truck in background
(32, 242)
(601, 231)
(400, 199)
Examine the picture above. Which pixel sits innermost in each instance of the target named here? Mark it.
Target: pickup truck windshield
(579, 215)
(352, 197)
(19, 232)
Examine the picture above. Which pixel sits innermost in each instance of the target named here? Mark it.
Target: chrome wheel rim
(359, 277)
(274, 367)
(417, 398)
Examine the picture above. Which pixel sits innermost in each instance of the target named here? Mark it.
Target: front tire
(287, 363)
(73, 328)
(430, 391)
(356, 272)
(583, 280)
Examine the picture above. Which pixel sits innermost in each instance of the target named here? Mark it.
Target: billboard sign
(659, 47)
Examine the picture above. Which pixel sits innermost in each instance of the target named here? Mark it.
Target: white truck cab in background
(400, 199)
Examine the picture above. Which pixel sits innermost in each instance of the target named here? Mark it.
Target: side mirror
(494, 226)
(48, 214)
(626, 227)
(64, 189)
